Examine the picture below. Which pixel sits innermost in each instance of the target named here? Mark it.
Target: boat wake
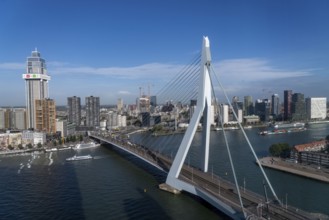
(28, 164)
(100, 157)
(50, 159)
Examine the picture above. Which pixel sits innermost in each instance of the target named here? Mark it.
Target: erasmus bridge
(230, 198)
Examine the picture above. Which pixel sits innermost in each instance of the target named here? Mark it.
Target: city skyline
(258, 48)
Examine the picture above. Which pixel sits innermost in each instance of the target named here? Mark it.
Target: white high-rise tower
(36, 85)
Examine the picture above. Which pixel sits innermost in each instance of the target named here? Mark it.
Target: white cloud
(249, 70)
(124, 93)
(151, 70)
(238, 76)
(12, 66)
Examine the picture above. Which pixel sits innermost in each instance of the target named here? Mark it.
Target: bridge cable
(229, 155)
(186, 77)
(247, 139)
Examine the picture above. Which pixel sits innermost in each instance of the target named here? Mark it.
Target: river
(115, 185)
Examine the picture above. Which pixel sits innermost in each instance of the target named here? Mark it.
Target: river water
(115, 185)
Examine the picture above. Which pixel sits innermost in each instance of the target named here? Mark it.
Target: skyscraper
(263, 109)
(275, 105)
(298, 107)
(36, 85)
(248, 105)
(74, 110)
(120, 105)
(92, 111)
(287, 104)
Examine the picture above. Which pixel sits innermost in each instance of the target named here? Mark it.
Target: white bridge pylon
(203, 108)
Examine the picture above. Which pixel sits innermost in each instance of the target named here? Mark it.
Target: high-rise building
(92, 111)
(19, 118)
(237, 108)
(298, 108)
(74, 110)
(120, 105)
(275, 105)
(2, 118)
(224, 114)
(45, 115)
(248, 105)
(36, 85)
(13, 118)
(287, 96)
(153, 100)
(144, 104)
(316, 108)
(61, 126)
(263, 109)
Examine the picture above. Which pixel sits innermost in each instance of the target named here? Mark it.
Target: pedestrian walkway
(309, 171)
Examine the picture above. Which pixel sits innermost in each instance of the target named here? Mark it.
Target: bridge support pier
(168, 188)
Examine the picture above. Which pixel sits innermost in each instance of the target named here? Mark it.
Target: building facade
(19, 118)
(13, 118)
(45, 114)
(224, 114)
(316, 108)
(263, 109)
(36, 85)
(92, 111)
(34, 138)
(275, 105)
(287, 96)
(74, 110)
(120, 105)
(61, 126)
(248, 105)
(3, 121)
(298, 108)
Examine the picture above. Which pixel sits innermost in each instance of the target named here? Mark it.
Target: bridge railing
(225, 190)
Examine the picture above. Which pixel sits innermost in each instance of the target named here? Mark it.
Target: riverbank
(32, 150)
(8, 152)
(321, 174)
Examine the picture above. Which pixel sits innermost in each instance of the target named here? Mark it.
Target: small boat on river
(74, 158)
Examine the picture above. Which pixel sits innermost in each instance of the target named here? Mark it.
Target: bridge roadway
(254, 204)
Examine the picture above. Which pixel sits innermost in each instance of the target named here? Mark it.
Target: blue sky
(111, 48)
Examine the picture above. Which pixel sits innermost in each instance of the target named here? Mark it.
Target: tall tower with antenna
(36, 85)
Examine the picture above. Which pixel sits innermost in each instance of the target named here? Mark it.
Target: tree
(20, 146)
(157, 128)
(10, 147)
(81, 137)
(73, 138)
(54, 142)
(280, 150)
(39, 145)
(29, 146)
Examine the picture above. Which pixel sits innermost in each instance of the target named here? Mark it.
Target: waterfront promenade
(308, 171)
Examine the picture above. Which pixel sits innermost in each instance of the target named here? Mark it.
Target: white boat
(86, 145)
(86, 157)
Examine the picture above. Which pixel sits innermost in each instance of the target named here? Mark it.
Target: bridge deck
(223, 190)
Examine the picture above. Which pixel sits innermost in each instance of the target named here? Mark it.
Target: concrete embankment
(8, 152)
(321, 174)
